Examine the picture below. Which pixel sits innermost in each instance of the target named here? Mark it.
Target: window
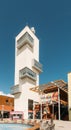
(6, 100)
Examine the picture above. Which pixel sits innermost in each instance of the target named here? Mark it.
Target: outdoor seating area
(47, 125)
(43, 125)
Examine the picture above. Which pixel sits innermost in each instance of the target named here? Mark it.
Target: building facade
(53, 100)
(6, 105)
(27, 69)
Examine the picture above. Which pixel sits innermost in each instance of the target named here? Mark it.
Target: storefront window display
(37, 111)
(30, 109)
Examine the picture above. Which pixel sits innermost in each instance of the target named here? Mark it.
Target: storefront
(33, 109)
(53, 100)
(16, 115)
(6, 105)
(48, 102)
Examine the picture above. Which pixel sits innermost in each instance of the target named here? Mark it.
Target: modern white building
(27, 69)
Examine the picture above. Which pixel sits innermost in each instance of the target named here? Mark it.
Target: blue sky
(52, 22)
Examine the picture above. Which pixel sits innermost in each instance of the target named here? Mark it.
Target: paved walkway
(62, 125)
(59, 125)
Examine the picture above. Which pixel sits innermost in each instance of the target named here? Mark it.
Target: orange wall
(6, 103)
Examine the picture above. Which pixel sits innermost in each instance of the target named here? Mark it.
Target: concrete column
(69, 95)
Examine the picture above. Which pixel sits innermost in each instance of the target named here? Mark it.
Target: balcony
(15, 89)
(25, 39)
(26, 72)
(37, 66)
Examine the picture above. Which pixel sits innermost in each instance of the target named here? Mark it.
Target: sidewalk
(62, 125)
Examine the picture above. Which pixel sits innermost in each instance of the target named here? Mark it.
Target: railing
(15, 89)
(26, 72)
(37, 65)
(25, 38)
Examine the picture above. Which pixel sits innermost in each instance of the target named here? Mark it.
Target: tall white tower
(27, 69)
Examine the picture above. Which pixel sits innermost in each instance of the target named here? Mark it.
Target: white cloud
(9, 95)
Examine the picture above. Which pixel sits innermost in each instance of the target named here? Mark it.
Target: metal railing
(37, 65)
(26, 72)
(15, 89)
(26, 37)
